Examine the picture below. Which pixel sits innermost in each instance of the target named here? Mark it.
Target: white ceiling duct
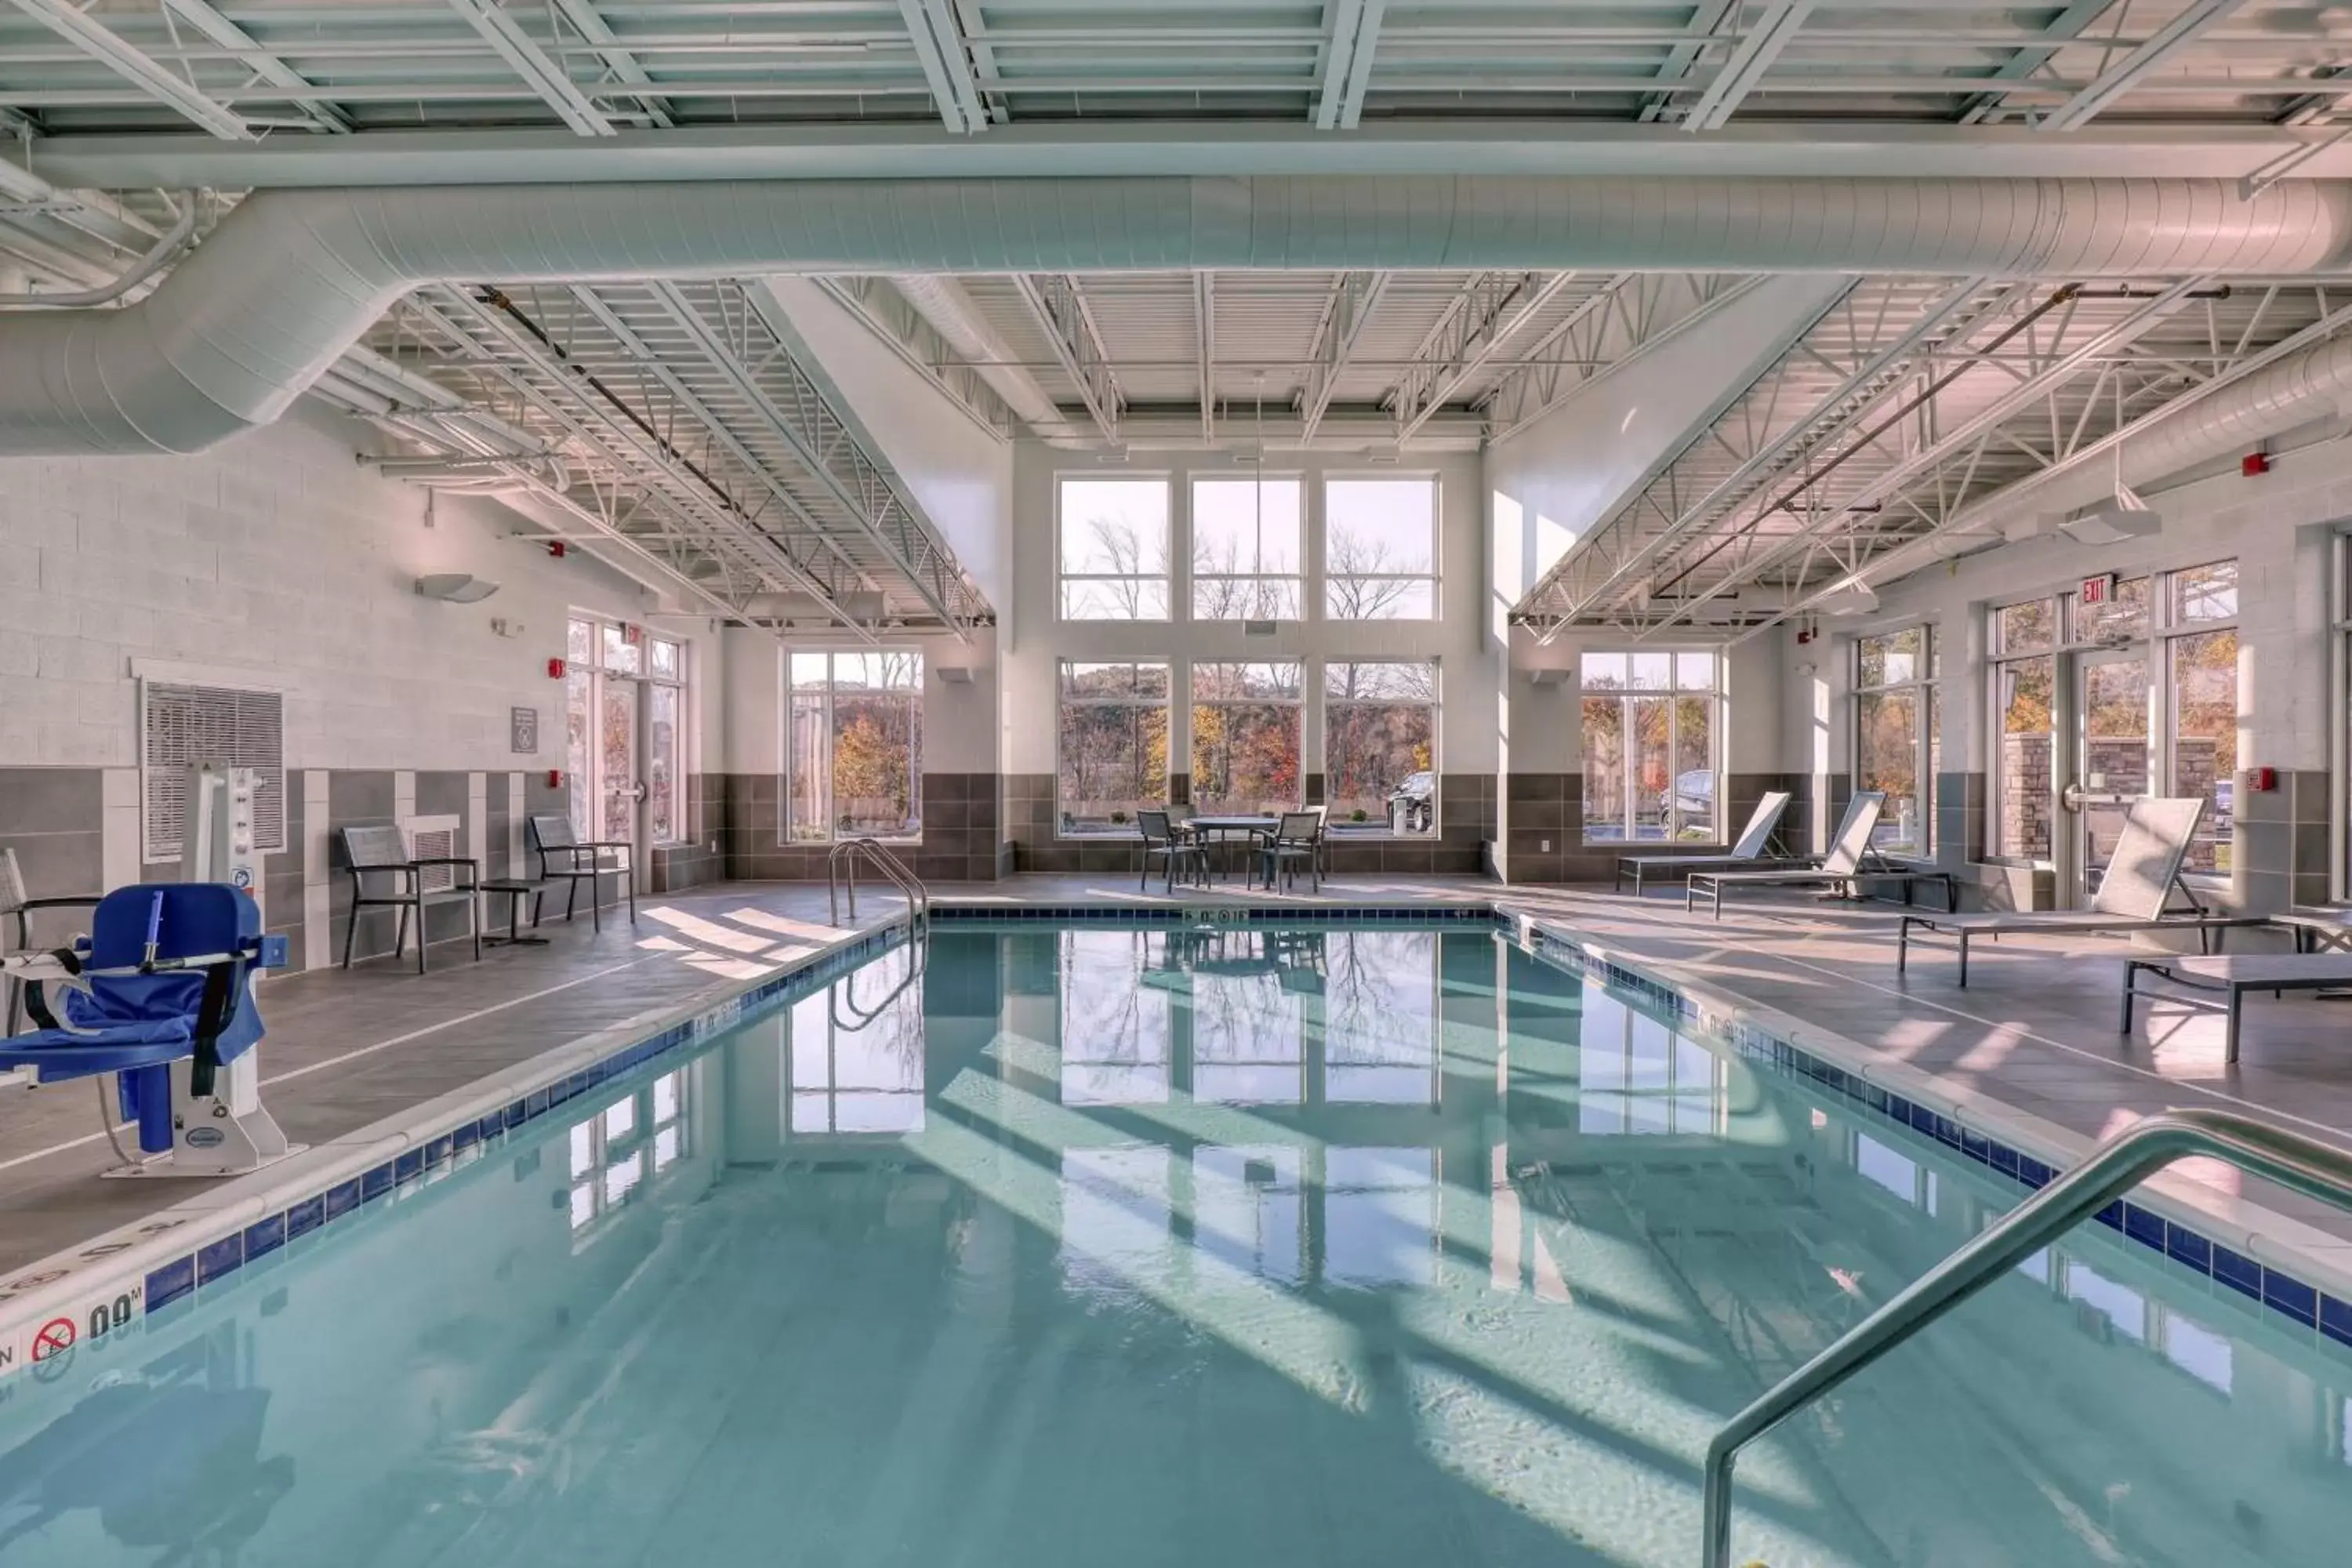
(292, 278)
(941, 301)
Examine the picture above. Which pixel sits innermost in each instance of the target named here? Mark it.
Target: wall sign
(2098, 590)
(522, 731)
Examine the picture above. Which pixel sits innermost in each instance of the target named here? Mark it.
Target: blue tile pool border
(2284, 1295)
(211, 1258)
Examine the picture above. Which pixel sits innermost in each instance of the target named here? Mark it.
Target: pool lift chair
(160, 993)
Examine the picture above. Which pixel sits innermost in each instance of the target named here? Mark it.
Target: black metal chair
(20, 908)
(563, 856)
(1161, 839)
(385, 876)
(1298, 841)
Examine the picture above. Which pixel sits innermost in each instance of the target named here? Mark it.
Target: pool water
(1354, 1246)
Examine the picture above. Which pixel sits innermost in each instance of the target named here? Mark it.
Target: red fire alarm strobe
(555, 778)
(2254, 463)
(2262, 781)
(555, 548)
(554, 669)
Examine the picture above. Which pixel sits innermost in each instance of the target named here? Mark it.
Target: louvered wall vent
(180, 723)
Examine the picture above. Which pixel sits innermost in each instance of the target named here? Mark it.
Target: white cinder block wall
(279, 553)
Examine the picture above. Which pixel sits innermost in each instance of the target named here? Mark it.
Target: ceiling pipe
(942, 300)
(291, 279)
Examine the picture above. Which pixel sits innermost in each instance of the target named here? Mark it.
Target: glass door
(2114, 758)
(621, 788)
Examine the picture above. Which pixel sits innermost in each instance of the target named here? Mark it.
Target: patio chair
(2136, 894)
(1296, 840)
(385, 876)
(1161, 839)
(1754, 848)
(1838, 869)
(563, 856)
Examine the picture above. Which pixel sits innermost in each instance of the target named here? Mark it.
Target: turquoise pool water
(1360, 1246)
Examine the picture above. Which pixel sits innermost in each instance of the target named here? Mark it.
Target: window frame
(1320, 569)
(1674, 693)
(1168, 576)
(1115, 831)
(1298, 578)
(589, 782)
(1194, 702)
(2161, 628)
(833, 833)
(1924, 686)
(1354, 832)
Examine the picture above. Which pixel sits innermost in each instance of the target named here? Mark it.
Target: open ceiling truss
(1895, 417)
(237, 69)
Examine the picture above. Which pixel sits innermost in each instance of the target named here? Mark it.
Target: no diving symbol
(53, 1349)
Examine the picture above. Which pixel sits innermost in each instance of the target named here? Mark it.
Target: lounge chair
(1762, 830)
(1842, 868)
(2232, 978)
(2136, 894)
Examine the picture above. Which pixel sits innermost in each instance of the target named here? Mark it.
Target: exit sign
(2099, 590)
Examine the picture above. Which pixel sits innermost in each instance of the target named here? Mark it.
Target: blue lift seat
(165, 973)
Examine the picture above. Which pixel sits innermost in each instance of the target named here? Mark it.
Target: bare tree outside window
(1114, 550)
(1379, 549)
(1246, 552)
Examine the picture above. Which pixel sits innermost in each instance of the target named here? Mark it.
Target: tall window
(1245, 549)
(1111, 752)
(1650, 729)
(2200, 662)
(1379, 549)
(2025, 684)
(1247, 724)
(624, 702)
(1895, 720)
(855, 746)
(1114, 549)
(1380, 745)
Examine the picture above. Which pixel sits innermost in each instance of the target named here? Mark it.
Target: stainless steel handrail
(2114, 1168)
(894, 870)
(918, 918)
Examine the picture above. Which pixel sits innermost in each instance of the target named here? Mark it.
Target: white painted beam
(1758, 47)
(2118, 79)
(110, 50)
(540, 70)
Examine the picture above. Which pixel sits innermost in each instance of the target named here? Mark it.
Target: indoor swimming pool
(1349, 1243)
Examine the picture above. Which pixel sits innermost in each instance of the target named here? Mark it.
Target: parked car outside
(1414, 802)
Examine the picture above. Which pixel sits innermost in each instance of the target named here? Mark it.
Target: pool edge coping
(2307, 1256)
(112, 1268)
(93, 1275)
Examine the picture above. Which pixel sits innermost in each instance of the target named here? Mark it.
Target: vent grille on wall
(180, 724)
(433, 838)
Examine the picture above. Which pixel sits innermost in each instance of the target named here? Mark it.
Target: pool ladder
(2114, 1168)
(841, 870)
